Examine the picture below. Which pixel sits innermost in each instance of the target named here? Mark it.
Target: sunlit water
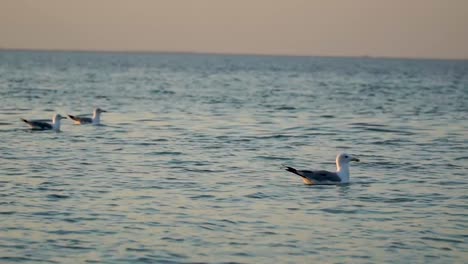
(188, 164)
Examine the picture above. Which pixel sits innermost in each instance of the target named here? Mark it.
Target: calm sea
(188, 164)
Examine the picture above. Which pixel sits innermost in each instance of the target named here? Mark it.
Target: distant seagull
(95, 120)
(44, 125)
(327, 177)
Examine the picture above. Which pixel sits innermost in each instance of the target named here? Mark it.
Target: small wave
(273, 158)
(159, 91)
(394, 142)
(58, 196)
(138, 249)
(7, 213)
(367, 124)
(279, 136)
(172, 239)
(285, 108)
(339, 211)
(257, 195)
(384, 130)
(440, 239)
(204, 170)
(162, 153)
(202, 196)
(228, 221)
(26, 259)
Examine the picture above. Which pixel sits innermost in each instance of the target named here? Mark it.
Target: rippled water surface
(187, 166)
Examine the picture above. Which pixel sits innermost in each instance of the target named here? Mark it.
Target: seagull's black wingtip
(291, 169)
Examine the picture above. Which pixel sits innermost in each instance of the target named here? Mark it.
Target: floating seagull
(327, 177)
(44, 125)
(95, 120)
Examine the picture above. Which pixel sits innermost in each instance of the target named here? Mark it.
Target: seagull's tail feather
(24, 120)
(293, 170)
(72, 117)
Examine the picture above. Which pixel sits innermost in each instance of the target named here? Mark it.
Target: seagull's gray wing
(40, 120)
(39, 125)
(317, 176)
(81, 120)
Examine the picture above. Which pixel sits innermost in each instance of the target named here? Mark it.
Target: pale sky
(394, 28)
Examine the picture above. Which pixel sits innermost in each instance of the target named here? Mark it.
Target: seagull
(44, 125)
(327, 177)
(95, 120)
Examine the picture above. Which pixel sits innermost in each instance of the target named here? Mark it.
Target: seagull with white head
(341, 175)
(44, 124)
(95, 120)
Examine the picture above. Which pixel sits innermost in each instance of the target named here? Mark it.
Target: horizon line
(364, 56)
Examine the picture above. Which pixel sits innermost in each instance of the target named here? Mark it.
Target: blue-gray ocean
(187, 165)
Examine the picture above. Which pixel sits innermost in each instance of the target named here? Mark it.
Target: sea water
(188, 164)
